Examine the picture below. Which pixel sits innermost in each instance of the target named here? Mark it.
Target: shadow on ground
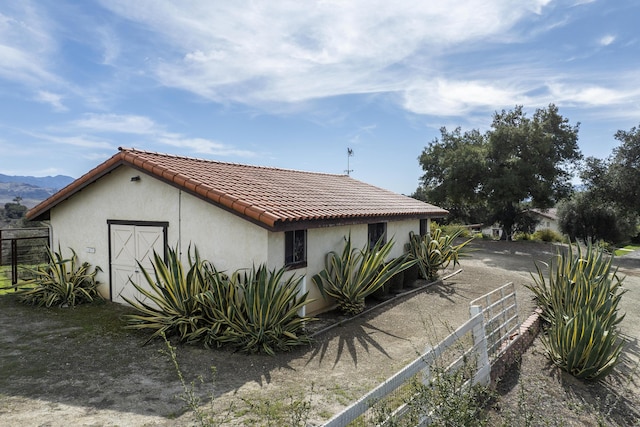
(83, 357)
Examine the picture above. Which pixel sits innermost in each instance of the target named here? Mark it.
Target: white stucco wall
(399, 231)
(320, 241)
(547, 223)
(221, 237)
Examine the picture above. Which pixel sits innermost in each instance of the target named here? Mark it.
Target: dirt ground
(61, 367)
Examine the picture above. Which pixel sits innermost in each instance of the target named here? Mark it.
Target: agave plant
(60, 282)
(354, 274)
(583, 344)
(219, 305)
(578, 279)
(257, 310)
(435, 251)
(170, 305)
(580, 302)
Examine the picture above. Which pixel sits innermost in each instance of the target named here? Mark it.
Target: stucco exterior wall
(225, 239)
(547, 223)
(221, 237)
(399, 231)
(321, 241)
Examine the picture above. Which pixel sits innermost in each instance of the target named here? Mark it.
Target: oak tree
(488, 177)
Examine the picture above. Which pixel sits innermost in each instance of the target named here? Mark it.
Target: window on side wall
(295, 248)
(424, 226)
(377, 231)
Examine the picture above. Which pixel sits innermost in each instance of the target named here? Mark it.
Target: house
(237, 216)
(547, 219)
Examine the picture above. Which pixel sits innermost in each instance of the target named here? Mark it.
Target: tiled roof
(551, 213)
(269, 196)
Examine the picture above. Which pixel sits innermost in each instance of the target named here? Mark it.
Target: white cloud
(290, 51)
(204, 146)
(22, 67)
(98, 157)
(83, 141)
(110, 45)
(277, 56)
(443, 97)
(589, 95)
(52, 99)
(606, 40)
(26, 46)
(146, 127)
(356, 137)
(117, 123)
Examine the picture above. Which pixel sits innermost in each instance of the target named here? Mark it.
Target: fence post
(426, 372)
(14, 261)
(483, 372)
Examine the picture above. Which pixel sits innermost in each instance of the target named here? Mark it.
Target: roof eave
(254, 214)
(353, 220)
(42, 210)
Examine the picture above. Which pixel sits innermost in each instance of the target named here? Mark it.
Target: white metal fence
(500, 313)
(490, 326)
(421, 366)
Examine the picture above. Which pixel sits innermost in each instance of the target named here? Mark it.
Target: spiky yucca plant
(354, 274)
(257, 311)
(169, 305)
(60, 282)
(254, 311)
(579, 278)
(583, 345)
(219, 305)
(580, 302)
(435, 251)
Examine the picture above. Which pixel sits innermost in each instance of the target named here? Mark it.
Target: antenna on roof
(349, 155)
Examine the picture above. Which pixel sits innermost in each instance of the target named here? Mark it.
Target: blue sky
(293, 84)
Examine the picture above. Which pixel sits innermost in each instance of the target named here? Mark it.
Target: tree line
(524, 162)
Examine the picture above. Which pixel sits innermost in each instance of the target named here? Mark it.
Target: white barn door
(128, 244)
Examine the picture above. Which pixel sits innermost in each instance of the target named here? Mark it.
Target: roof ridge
(200, 159)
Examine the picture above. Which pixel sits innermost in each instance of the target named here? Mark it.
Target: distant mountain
(31, 189)
(54, 182)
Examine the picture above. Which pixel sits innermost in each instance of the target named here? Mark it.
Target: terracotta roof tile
(268, 195)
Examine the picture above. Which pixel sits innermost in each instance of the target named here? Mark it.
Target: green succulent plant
(354, 274)
(255, 310)
(435, 251)
(584, 345)
(169, 305)
(579, 300)
(579, 278)
(60, 282)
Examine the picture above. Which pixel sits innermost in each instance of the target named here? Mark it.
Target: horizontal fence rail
(493, 324)
(500, 311)
(20, 247)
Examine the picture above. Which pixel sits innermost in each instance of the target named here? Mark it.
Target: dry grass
(535, 393)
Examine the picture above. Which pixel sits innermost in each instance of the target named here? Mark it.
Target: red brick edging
(516, 346)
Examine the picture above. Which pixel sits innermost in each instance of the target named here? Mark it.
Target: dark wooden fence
(22, 247)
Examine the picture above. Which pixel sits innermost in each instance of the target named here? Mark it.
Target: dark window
(424, 226)
(295, 248)
(376, 232)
